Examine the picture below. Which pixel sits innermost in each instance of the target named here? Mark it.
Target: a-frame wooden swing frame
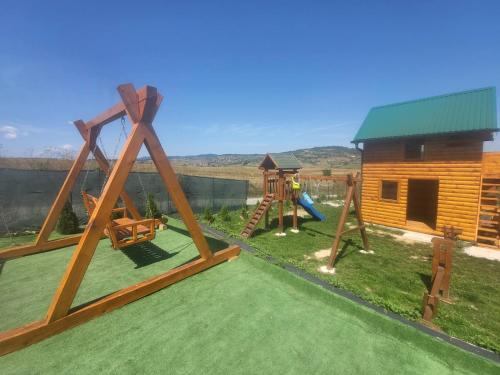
(141, 107)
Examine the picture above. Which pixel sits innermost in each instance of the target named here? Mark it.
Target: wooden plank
(110, 115)
(62, 196)
(80, 260)
(34, 332)
(176, 193)
(19, 251)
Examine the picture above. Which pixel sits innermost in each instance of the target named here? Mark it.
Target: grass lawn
(395, 277)
(244, 316)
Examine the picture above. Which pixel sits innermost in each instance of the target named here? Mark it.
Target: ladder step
(487, 238)
(489, 207)
(488, 222)
(489, 213)
(485, 229)
(494, 192)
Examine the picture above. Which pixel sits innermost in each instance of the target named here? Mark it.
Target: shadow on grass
(213, 243)
(146, 253)
(426, 280)
(349, 247)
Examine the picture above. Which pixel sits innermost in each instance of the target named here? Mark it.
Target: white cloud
(9, 132)
(67, 147)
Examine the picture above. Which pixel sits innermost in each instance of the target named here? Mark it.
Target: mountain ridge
(326, 156)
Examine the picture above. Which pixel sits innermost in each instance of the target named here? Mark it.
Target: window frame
(381, 187)
(421, 143)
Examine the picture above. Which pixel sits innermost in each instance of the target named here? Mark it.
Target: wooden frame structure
(141, 107)
(352, 195)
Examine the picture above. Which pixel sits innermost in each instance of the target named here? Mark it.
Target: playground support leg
(295, 224)
(280, 216)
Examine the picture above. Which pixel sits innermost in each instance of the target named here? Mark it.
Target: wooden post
(295, 220)
(266, 191)
(281, 196)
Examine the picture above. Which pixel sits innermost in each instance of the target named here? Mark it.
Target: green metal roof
(280, 161)
(466, 111)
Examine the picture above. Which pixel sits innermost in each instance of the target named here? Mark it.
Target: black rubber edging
(485, 353)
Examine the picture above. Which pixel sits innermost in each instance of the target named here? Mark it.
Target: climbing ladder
(488, 229)
(257, 215)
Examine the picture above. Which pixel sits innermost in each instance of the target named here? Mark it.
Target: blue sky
(238, 77)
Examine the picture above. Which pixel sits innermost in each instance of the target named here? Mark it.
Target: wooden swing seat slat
(123, 231)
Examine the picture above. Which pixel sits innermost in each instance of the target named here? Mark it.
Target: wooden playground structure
(281, 183)
(141, 107)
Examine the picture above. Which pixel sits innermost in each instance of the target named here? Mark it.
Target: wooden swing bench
(123, 231)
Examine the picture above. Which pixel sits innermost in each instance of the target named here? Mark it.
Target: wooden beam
(62, 196)
(110, 115)
(176, 193)
(78, 264)
(130, 100)
(102, 162)
(21, 337)
(352, 229)
(328, 178)
(19, 251)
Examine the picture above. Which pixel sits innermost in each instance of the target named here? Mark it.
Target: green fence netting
(26, 195)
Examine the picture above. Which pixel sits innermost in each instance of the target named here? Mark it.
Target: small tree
(244, 212)
(152, 211)
(208, 216)
(224, 214)
(68, 221)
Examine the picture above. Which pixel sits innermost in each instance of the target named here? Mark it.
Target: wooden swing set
(278, 186)
(140, 106)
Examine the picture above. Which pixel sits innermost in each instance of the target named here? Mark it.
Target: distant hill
(328, 157)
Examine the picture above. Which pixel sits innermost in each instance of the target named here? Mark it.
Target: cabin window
(414, 150)
(389, 191)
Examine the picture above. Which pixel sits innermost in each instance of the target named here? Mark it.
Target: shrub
(244, 212)
(208, 216)
(224, 214)
(152, 211)
(68, 221)
(327, 172)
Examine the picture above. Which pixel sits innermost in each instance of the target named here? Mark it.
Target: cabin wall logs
(456, 165)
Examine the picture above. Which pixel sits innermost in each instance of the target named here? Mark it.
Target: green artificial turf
(395, 277)
(241, 317)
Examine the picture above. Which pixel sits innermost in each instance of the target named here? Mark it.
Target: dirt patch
(300, 213)
(322, 254)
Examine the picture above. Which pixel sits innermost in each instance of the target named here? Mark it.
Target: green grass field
(241, 317)
(395, 277)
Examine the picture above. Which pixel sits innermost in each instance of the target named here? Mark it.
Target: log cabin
(423, 165)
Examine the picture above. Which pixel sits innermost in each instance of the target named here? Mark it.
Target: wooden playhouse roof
(280, 161)
(467, 111)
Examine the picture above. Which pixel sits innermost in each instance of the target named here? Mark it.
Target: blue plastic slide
(310, 209)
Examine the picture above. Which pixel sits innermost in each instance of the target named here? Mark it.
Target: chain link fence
(26, 195)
